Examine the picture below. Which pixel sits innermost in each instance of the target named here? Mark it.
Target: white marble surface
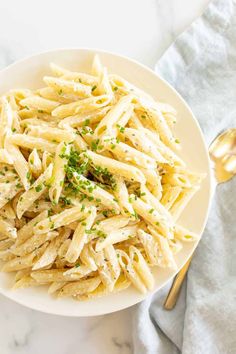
(141, 29)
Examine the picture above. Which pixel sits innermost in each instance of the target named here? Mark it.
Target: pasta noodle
(91, 185)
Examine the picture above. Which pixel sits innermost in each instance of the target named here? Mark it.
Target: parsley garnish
(86, 122)
(65, 201)
(28, 176)
(39, 188)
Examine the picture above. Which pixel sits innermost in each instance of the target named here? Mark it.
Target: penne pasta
(35, 163)
(91, 185)
(31, 142)
(122, 196)
(141, 267)
(142, 143)
(128, 154)
(168, 259)
(20, 164)
(116, 236)
(62, 219)
(118, 168)
(128, 269)
(98, 194)
(82, 119)
(67, 86)
(181, 201)
(53, 134)
(39, 103)
(80, 287)
(80, 236)
(152, 216)
(85, 105)
(58, 171)
(35, 192)
(108, 123)
(6, 229)
(6, 120)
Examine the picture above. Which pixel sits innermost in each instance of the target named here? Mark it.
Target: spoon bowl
(222, 152)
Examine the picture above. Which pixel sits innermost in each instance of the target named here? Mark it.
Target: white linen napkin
(201, 65)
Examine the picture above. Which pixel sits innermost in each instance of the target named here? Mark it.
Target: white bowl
(28, 73)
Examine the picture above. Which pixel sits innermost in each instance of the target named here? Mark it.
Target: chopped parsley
(88, 232)
(121, 129)
(82, 207)
(86, 122)
(39, 188)
(135, 215)
(101, 234)
(105, 213)
(65, 201)
(94, 145)
(50, 212)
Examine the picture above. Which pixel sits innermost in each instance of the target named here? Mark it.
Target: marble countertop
(140, 29)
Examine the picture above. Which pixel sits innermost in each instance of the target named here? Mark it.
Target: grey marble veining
(26, 331)
(140, 29)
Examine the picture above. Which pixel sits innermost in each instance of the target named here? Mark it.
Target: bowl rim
(36, 307)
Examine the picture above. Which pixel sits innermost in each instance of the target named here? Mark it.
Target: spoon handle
(173, 294)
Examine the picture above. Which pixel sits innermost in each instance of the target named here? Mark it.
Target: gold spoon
(222, 153)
